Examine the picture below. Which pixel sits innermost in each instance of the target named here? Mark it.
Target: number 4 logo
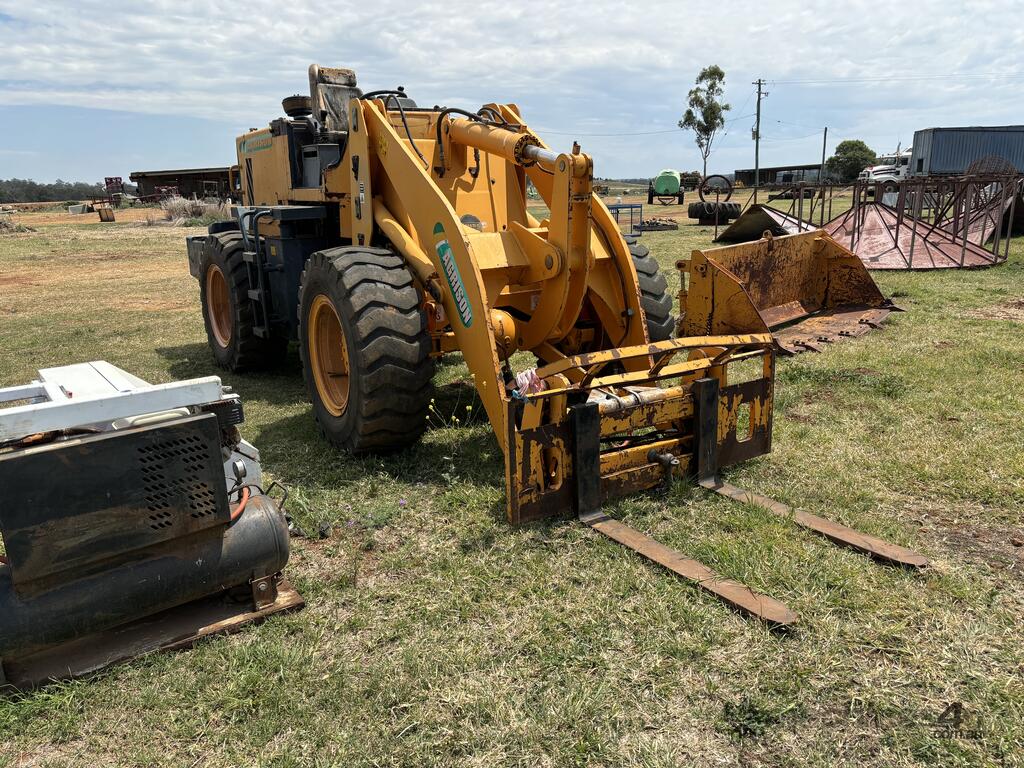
(952, 716)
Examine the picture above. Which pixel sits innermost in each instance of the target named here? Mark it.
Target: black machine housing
(103, 529)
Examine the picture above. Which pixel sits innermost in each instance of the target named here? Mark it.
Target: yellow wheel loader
(381, 235)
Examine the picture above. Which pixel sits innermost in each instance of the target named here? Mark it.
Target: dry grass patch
(1012, 310)
(8, 226)
(188, 212)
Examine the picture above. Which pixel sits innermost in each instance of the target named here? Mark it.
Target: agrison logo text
(451, 273)
(256, 144)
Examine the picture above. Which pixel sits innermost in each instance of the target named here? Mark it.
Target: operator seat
(330, 90)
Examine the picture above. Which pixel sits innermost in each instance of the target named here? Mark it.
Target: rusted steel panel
(758, 219)
(741, 441)
(883, 240)
(1002, 213)
(928, 223)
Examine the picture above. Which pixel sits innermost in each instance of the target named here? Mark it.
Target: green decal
(255, 144)
(451, 273)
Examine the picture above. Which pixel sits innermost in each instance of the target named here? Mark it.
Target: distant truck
(889, 171)
(977, 149)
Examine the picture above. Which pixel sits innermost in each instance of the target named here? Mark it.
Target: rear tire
(227, 310)
(654, 296)
(722, 211)
(365, 349)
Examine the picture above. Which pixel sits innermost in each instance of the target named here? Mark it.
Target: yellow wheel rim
(328, 355)
(218, 303)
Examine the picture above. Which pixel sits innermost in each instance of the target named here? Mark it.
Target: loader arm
(573, 260)
(429, 221)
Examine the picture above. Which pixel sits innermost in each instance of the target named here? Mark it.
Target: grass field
(437, 635)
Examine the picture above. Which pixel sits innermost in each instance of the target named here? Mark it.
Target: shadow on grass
(281, 385)
(295, 451)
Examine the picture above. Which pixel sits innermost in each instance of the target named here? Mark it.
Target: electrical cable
(629, 133)
(903, 78)
(405, 123)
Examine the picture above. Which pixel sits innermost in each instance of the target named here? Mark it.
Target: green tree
(28, 191)
(851, 157)
(706, 114)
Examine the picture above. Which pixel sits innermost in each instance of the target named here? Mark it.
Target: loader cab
(319, 138)
(317, 126)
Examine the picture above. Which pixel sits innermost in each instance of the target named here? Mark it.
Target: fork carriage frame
(576, 445)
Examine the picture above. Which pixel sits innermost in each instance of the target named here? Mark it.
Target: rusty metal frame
(927, 223)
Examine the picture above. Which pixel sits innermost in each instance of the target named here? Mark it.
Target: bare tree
(706, 114)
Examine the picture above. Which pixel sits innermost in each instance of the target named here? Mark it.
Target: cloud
(599, 67)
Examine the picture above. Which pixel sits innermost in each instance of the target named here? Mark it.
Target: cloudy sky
(92, 88)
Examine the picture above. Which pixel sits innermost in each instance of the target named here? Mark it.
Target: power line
(734, 119)
(901, 78)
(793, 138)
(629, 133)
(577, 133)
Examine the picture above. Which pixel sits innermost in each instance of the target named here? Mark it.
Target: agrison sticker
(256, 144)
(451, 273)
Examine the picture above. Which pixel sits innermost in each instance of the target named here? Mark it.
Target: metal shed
(188, 182)
(784, 174)
(951, 151)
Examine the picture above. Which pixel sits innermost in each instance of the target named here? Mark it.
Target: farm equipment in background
(924, 224)
(133, 520)
(805, 289)
(714, 207)
(666, 188)
(758, 219)
(381, 236)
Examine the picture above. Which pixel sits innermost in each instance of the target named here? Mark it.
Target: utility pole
(824, 143)
(757, 137)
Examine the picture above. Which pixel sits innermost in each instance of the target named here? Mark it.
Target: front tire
(654, 296)
(365, 349)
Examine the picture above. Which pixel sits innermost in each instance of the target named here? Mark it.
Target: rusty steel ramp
(758, 219)
(884, 238)
(806, 289)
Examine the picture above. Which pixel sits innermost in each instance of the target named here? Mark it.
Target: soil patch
(1009, 310)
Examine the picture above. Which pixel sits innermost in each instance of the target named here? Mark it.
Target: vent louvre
(164, 488)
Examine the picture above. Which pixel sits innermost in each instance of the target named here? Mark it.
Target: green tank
(666, 183)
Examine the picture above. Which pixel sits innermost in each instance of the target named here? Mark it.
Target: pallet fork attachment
(708, 477)
(586, 428)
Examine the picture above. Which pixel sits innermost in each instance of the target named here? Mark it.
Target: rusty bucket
(806, 289)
